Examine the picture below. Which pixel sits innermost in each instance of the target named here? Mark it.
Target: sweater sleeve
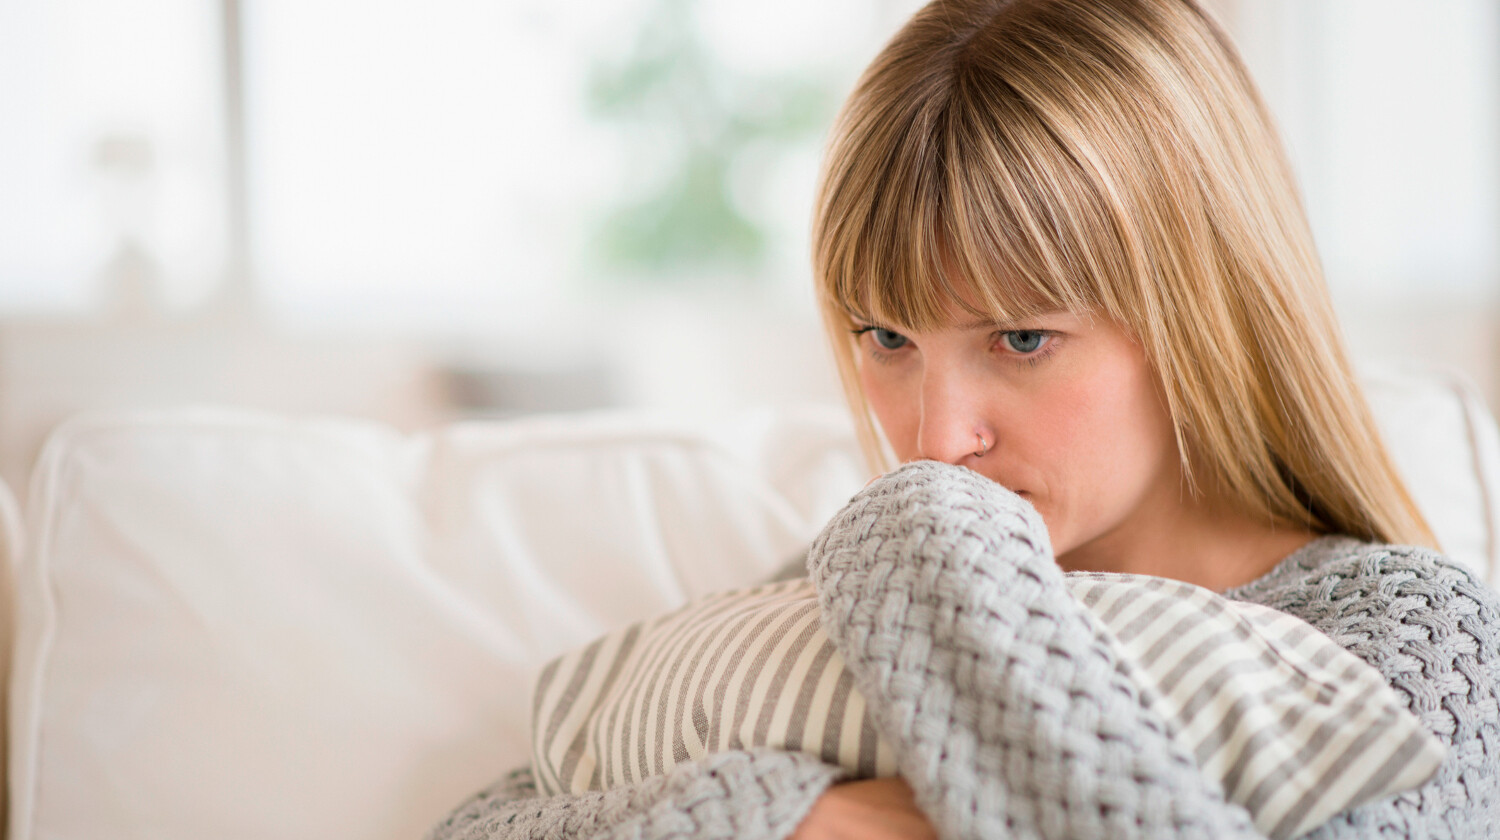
(1433, 630)
(1011, 713)
(755, 795)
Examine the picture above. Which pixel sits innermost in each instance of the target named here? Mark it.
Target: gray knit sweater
(1009, 711)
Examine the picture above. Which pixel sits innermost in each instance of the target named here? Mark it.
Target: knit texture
(1432, 629)
(748, 794)
(1012, 715)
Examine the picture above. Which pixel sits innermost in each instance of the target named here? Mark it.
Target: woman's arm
(1010, 712)
(755, 795)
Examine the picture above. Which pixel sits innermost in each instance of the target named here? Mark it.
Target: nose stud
(984, 446)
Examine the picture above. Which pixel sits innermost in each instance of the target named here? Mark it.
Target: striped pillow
(1293, 726)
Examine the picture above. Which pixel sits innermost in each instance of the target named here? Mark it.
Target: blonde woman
(1065, 268)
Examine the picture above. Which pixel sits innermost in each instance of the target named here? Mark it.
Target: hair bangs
(882, 234)
(901, 284)
(1029, 223)
(954, 226)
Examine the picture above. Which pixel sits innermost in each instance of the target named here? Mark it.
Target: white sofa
(235, 625)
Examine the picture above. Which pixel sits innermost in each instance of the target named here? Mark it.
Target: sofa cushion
(237, 625)
(1446, 446)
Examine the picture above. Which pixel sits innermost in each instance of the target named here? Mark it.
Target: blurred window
(479, 166)
(465, 164)
(110, 154)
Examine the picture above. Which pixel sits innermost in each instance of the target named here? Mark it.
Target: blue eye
(889, 339)
(1025, 341)
(884, 339)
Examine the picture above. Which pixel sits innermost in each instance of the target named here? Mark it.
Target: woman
(1058, 244)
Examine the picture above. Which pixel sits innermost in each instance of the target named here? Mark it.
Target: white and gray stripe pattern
(729, 671)
(1294, 727)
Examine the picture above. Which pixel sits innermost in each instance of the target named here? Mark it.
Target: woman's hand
(876, 809)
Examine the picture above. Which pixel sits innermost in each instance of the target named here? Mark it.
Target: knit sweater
(1010, 712)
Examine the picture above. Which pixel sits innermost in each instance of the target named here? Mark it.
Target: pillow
(1294, 727)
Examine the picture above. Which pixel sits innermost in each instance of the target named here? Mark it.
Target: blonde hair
(1109, 157)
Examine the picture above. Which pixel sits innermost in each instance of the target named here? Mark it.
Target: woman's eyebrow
(976, 323)
(985, 323)
(1005, 323)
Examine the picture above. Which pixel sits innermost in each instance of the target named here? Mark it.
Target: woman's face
(1068, 406)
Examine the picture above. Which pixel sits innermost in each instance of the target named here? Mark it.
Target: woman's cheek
(897, 414)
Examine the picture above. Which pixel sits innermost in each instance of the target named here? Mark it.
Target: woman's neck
(1209, 548)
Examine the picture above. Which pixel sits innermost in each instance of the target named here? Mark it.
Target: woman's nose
(952, 428)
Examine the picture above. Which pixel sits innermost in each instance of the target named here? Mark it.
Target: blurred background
(416, 212)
